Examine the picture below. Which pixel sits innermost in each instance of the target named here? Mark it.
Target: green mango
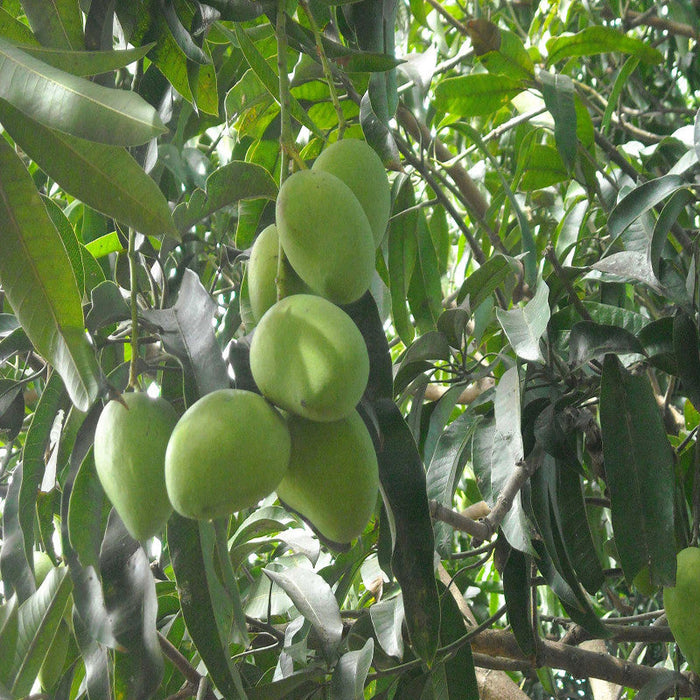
(325, 235)
(682, 604)
(130, 443)
(333, 477)
(262, 273)
(357, 164)
(308, 357)
(229, 450)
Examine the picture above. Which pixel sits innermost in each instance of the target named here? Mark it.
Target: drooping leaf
(503, 53)
(74, 105)
(206, 607)
(37, 622)
(187, 333)
(387, 618)
(105, 177)
(8, 638)
(485, 280)
(558, 94)
(314, 599)
(639, 469)
(497, 449)
(132, 606)
(350, 673)
(516, 589)
(525, 326)
(402, 479)
(686, 348)
(542, 167)
(38, 280)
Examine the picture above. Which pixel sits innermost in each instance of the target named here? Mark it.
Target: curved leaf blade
(39, 282)
(72, 104)
(350, 673)
(107, 178)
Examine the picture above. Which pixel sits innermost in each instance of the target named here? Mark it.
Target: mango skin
(325, 235)
(308, 357)
(228, 450)
(262, 273)
(333, 477)
(129, 453)
(682, 603)
(357, 164)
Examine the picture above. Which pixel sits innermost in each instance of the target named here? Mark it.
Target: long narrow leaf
(74, 105)
(107, 178)
(39, 282)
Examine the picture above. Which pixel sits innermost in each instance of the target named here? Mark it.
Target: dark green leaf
(516, 589)
(639, 469)
(402, 479)
(187, 333)
(206, 607)
(592, 341)
(558, 94)
(58, 24)
(686, 347)
(8, 638)
(485, 280)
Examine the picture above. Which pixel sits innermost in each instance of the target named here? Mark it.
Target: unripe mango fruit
(682, 604)
(325, 235)
(308, 357)
(357, 164)
(228, 450)
(333, 478)
(262, 273)
(130, 444)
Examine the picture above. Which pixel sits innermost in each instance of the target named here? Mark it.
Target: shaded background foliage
(533, 334)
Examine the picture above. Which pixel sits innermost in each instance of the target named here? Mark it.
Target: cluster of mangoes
(301, 436)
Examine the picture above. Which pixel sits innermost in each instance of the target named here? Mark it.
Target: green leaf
(640, 200)
(187, 332)
(497, 449)
(542, 167)
(446, 467)
(686, 348)
(8, 638)
(38, 280)
(485, 280)
(107, 178)
(269, 78)
(476, 94)
(14, 30)
(229, 184)
(387, 618)
(72, 104)
(516, 589)
(37, 623)
(592, 341)
(596, 40)
(639, 469)
(53, 399)
(558, 93)
(350, 673)
(84, 63)
(58, 24)
(511, 58)
(206, 607)
(402, 478)
(623, 76)
(525, 326)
